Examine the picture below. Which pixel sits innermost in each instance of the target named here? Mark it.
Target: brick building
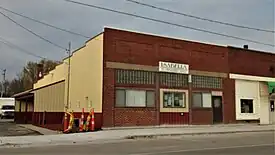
(135, 79)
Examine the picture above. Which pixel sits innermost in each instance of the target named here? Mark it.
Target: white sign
(173, 67)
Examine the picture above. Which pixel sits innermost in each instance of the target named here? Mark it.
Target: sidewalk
(120, 134)
(41, 130)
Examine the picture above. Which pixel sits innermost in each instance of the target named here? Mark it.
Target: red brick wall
(229, 101)
(251, 63)
(134, 48)
(135, 116)
(108, 97)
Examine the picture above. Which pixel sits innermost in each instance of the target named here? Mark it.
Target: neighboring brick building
(135, 79)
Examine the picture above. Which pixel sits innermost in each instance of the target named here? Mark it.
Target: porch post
(190, 98)
(264, 102)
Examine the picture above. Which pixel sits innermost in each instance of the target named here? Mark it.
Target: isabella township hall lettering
(173, 67)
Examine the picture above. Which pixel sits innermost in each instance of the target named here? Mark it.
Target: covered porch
(24, 107)
(271, 90)
(267, 114)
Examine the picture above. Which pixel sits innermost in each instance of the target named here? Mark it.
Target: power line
(3, 41)
(169, 23)
(30, 31)
(200, 18)
(43, 23)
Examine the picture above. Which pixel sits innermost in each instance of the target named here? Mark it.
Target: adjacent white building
(253, 99)
(7, 101)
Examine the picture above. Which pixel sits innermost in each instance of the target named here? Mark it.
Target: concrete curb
(180, 126)
(150, 136)
(89, 139)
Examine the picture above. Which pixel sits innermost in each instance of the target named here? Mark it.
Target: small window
(174, 100)
(135, 98)
(202, 100)
(150, 98)
(246, 106)
(120, 98)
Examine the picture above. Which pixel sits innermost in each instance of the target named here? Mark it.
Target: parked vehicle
(7, 111)
(7, 108)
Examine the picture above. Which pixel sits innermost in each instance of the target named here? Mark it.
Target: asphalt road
(225, 144)
(9, 128)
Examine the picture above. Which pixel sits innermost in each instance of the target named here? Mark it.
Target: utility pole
(3, 83)
(68, 88)
(69, 74)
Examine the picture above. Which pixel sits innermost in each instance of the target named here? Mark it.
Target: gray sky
(89, 21)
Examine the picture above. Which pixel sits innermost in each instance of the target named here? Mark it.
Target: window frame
(125, 97)
(183, 95)
(253, 111)
(202, 105)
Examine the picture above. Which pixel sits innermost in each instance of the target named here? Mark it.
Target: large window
(206, 82)
(135, 98)
(202, 100)
(174, 100)
(246, 106)
(134, 77)
(173, 80)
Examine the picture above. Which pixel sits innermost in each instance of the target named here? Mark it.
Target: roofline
(181, 39)
(83, 45)
(74, 52)
(94, 36)
(23, 93)
(50, 84)
(251, 50)
(164, 36)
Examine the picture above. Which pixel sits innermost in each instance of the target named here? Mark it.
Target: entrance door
(272, 113)
(217, 109)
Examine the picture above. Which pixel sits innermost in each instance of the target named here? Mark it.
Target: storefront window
(174, 100)
(246, 106)
(202, 100)
(135, 98)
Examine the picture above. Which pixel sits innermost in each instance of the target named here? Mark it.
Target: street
(255, 143)
(8, 128)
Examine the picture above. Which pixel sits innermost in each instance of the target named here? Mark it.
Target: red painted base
(174, 118)
(51, 120)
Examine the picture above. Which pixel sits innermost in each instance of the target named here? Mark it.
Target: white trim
(251, 78)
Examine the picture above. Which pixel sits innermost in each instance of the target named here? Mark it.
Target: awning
(271, 87)
(24, 95)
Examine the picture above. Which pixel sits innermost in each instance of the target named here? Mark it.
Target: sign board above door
(173, 67)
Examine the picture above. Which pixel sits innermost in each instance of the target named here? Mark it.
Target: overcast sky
(89, 21)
